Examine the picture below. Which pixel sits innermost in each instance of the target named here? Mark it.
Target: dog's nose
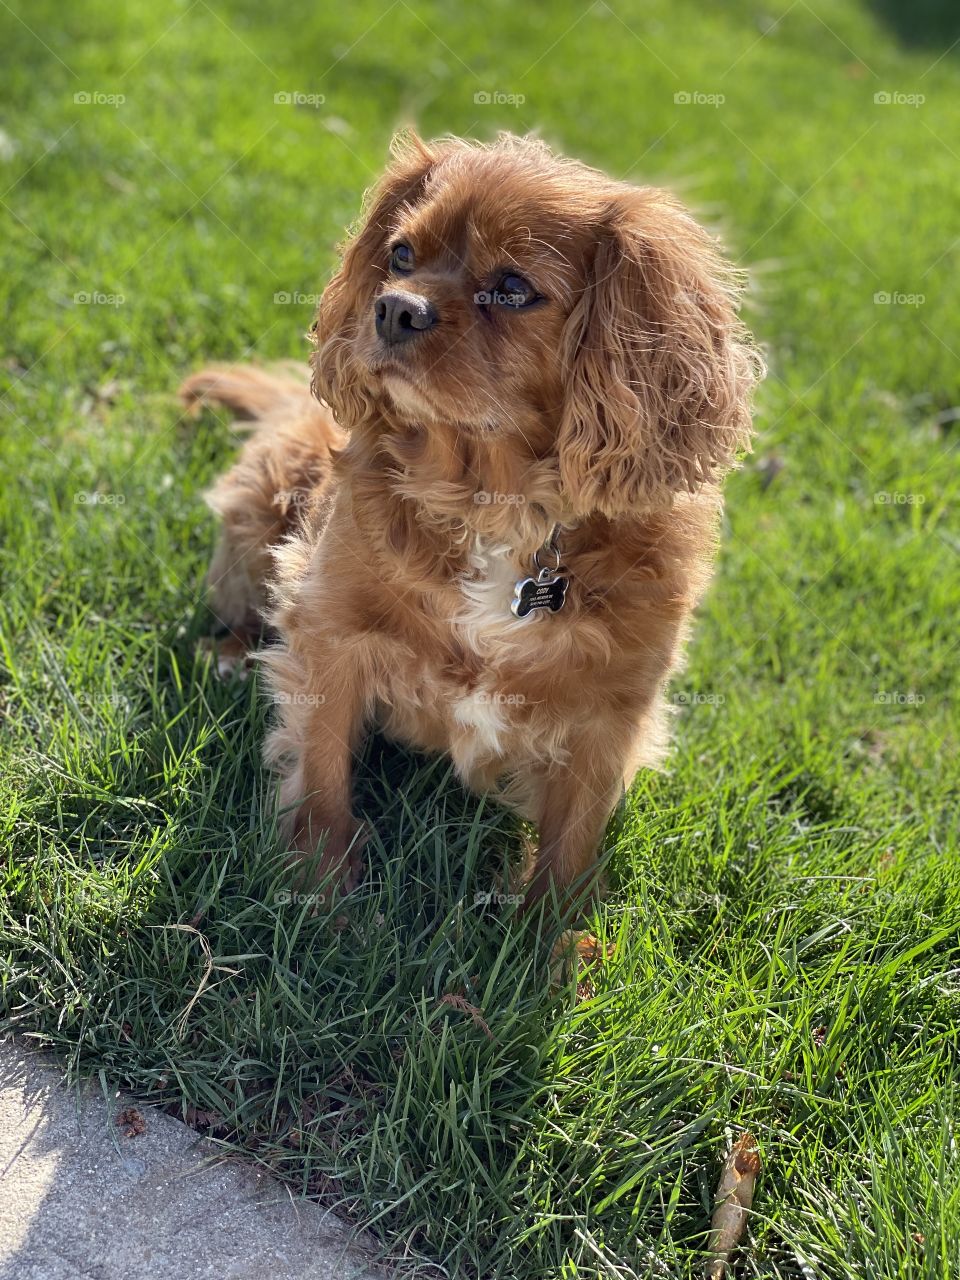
(400, 316)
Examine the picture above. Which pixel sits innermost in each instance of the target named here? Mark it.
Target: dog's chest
(480, 684)
(491, 708)
(484, 621)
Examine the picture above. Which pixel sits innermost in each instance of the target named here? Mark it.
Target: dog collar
(548, 589)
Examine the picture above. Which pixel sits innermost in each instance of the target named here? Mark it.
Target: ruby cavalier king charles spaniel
(483, 524)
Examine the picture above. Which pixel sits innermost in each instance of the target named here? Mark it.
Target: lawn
(784, 913)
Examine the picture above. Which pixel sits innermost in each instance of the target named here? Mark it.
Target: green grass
(786, 896)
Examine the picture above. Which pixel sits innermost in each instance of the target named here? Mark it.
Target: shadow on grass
(393, 1054)
(928, 24)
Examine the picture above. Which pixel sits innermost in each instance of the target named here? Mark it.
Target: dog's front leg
(574, 803)
(322, 721)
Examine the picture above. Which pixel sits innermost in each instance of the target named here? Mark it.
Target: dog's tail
(280, 483)
(250, 392)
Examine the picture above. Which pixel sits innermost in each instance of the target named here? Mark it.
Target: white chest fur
(485, 621)
(489, 630)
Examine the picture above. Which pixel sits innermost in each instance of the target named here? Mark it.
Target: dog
(483, 525)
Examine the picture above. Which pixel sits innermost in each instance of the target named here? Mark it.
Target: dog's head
(514, 294)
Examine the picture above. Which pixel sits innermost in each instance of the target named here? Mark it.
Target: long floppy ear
(348, 299)
(658, 367)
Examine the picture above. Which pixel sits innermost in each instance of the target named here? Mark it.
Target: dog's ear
(348, 299)
(658, 368)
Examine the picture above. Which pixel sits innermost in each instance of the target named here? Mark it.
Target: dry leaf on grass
(576, 946)
(199, 1118)
(131, 1121)
(732, 1204)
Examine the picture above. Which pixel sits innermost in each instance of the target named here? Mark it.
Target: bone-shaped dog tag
(547, 590)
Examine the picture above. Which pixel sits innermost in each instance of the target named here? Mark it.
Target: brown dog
(491, 541)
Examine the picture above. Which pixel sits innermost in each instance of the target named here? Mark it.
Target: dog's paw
(336, 870)
(232, 655)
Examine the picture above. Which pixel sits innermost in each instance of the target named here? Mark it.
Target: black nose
(403, 315)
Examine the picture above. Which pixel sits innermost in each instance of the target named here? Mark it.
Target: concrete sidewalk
(80, 1199)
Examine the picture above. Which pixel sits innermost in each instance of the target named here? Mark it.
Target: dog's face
(465, 326)
(516, 296)
(452, 299)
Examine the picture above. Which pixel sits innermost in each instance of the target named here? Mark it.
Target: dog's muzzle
(401, 316)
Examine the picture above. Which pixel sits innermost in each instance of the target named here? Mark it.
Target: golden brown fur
(610, 408)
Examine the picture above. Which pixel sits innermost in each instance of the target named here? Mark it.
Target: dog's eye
(514, 291)
(401, 258)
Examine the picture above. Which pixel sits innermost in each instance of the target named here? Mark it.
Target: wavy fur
(611, 407)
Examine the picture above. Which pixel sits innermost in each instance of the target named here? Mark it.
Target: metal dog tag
(546, 591)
